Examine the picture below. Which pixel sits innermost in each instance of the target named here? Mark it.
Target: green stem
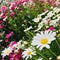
(42, 55)
(34, 58)
(57, 43)
(52, 52)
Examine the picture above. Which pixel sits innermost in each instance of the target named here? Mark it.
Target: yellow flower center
(29, 52)
(44, 41)
(8, 51)
(58, 35)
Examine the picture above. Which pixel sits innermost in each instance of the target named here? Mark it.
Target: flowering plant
(27, 33)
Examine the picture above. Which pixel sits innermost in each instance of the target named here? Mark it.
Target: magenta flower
(9, 35)
(16, 56)
(51, 28)
(21, 2)
(12, 14)
(1, 26)
(12, 43)
(6, 40)
(51, 2)
(1, 21)
(13, 5)
(3, 15)
(2, 58)
(3, 9)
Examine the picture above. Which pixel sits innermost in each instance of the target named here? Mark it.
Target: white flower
(50, 58)
(56, 10)
(53, 22)
(7, 51)
(36, 20)
(18, 46)
(44, 39)
(1, 40)
(28, 53)
(28, 29)
(51, 7)
(40, 25)
(25, 42)
(39, 17)
(50, 14)
(56, 16)
(0, 1)
(40, 59)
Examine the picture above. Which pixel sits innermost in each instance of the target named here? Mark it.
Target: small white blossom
(36, 20)
(56, 10)
(50, 14)
(28, 29)
(28, 53)
(7, 51)
(40, 25)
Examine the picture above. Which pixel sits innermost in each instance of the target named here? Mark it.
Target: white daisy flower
(44, 39)
(7, 51)
(28, 53)
(56, 10)
(50, 14)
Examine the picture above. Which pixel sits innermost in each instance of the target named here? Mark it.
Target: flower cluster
(28, 32)
(42, 35)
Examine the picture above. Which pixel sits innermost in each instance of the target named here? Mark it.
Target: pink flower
(2, 58)
(42, 2)
(21, 2)
(57, 2)
(4, 19)
(51, 2)
(0, 10)
(12, 43)
(1, 26)
(9, 35)
(13, 5)
(1, 21)
(6, 40)
(3, 15)
(31, 1)
(3, 9)
(12, 14)
(50, 28)
(16, 56)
